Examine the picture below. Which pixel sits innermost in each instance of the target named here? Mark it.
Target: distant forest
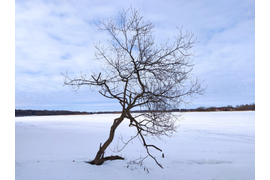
(19, 112)
(243, 107)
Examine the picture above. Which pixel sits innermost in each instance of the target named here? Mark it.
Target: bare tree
(141, 74)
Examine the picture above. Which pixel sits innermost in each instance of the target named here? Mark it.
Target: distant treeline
(243, 107)
(19, 112)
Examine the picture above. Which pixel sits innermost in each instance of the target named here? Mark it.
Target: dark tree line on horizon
(19, 112)
(243, 107)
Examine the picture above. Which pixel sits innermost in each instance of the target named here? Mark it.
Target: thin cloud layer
(52, 37)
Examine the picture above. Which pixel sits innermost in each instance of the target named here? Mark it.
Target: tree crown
(139, 73)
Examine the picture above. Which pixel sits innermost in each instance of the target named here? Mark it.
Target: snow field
(208, 146)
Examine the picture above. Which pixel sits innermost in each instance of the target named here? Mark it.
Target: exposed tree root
(105, 159)
(113, 158)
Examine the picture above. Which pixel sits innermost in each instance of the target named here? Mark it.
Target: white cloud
(55, 36)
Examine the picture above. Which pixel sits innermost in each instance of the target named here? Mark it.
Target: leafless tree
(141, 74)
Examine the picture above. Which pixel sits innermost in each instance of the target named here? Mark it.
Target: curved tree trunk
(99, 159)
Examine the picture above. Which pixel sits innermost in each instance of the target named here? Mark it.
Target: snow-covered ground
(208, 146)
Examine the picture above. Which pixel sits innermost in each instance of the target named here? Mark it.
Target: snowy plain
(208, 146)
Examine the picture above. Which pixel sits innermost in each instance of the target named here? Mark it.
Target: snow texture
(208, 146)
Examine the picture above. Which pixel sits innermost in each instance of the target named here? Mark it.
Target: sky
(52, 37)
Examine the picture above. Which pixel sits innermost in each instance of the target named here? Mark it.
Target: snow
(208, 146)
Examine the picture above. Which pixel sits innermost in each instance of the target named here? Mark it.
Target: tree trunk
(99, 159)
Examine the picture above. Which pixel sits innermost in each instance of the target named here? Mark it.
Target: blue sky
(52, 37)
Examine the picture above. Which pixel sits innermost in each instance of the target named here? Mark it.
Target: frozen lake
(208, 146)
